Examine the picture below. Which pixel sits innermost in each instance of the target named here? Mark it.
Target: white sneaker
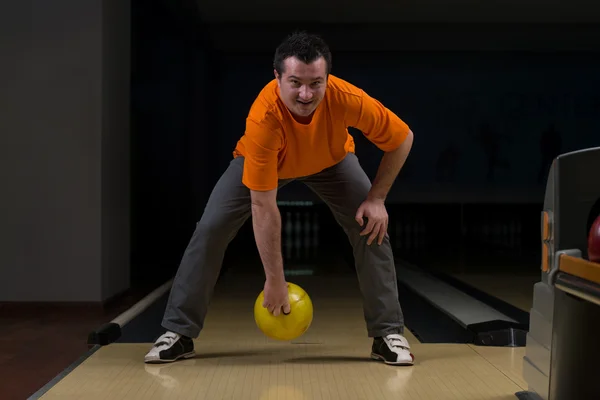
(170, 347)
(392, 349)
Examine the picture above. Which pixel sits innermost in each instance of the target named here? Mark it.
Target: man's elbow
(263, 200)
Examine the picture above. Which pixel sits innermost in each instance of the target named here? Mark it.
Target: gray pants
(343, 187)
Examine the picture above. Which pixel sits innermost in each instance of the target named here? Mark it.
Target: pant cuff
(387, 331)
(191, 333)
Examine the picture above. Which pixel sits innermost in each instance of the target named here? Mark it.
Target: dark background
(491, 104)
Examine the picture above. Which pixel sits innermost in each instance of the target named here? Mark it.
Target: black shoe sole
(191, 354)
(379, 357)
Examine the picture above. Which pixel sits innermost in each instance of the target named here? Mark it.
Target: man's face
(302, 86)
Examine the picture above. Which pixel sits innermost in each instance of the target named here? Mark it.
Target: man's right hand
(276, 296)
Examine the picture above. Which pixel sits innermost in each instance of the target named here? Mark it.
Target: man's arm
(391, 164)
(266, 221)
(385, 130)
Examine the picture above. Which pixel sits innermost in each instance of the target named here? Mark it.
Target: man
(297, 129)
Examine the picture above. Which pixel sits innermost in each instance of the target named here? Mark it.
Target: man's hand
(276, 296)
(377, 225)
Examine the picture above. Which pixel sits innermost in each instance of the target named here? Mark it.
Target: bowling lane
(331, 361)
(515, 289)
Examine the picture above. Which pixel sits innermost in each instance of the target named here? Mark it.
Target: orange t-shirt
(275, 146)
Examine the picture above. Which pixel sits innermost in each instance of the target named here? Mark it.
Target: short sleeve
(262, 144)
(379, 125)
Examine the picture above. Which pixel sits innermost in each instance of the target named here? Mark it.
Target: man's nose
(305, 93)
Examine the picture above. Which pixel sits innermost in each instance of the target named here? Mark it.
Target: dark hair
(304, 46)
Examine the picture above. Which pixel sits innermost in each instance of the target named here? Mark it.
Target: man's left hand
(377, 219)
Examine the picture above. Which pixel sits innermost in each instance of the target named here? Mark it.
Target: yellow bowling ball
(285, 327)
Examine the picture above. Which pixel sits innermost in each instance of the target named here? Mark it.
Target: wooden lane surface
(331, 361)
(516, 290)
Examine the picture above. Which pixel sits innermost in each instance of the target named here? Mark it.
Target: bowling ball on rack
(594, 241)
(285, 326)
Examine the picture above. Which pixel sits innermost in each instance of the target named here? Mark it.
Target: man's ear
(276, 74)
